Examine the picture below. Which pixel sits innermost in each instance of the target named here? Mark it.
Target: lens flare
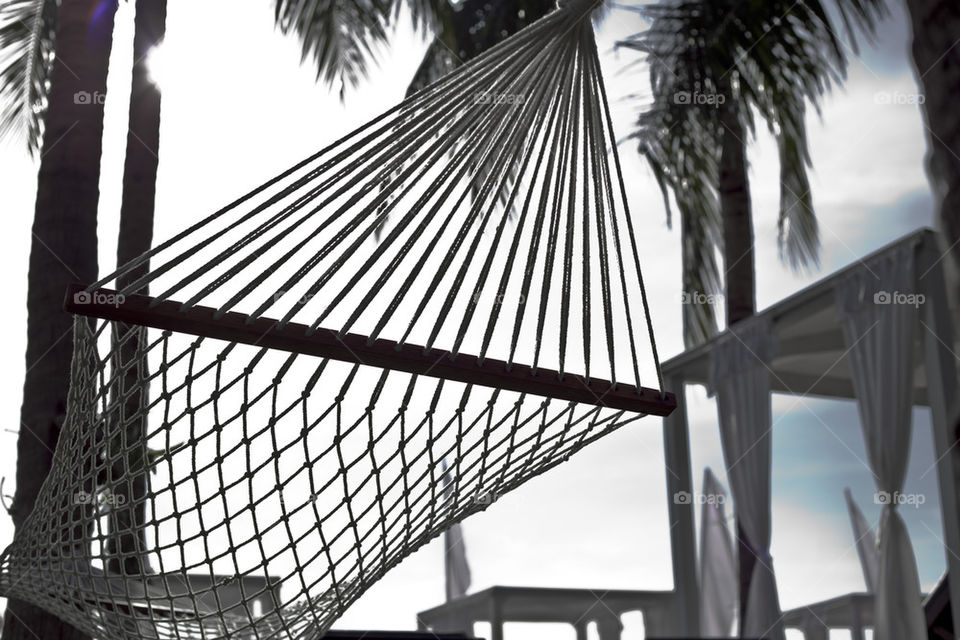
(158, 65)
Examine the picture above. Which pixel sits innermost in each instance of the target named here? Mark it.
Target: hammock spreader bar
(350, 347)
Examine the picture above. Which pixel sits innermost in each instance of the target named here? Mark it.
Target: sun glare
(158, 65)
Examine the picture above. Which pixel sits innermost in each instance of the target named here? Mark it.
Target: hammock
(263, 403)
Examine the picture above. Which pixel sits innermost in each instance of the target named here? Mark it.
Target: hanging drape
(456, 568)
(718, 569)
(740, 378)
(865, 541)
(877, 307)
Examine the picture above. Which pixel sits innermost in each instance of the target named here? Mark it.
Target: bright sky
(239, 108)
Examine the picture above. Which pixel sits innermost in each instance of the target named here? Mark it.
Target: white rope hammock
(253, 446)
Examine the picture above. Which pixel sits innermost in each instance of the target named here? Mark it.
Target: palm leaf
(341, 36)
(775, 56)
(683, 154)
(426, 15)
(701, 276)
(798, 232)
(463, 31)
(27, 35)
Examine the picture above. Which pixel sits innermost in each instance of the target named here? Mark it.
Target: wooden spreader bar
(351, 347)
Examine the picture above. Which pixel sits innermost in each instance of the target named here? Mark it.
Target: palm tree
(28, 86)
(342, 36)
(25, 106)
(714, 64)
(127, 547)
(936, 56)
(64, 245)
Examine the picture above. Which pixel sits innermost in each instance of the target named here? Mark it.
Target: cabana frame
(812, 362)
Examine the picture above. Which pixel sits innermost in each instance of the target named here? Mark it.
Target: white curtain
(718, 569)
(740, 378)
(866, 543)
(878, 310)
(458, 571)
(456, 568)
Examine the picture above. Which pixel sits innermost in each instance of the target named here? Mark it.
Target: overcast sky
(238, 108)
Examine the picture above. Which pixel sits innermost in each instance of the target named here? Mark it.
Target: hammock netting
(261, 406)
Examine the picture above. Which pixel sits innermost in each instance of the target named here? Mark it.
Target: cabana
(880, 332)
(575, 607)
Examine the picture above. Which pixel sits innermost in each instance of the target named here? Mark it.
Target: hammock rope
(251, 447)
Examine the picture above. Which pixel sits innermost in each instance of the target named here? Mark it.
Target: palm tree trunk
(936, 56)
(740, 273)
(63, 250)
(127, 547)
(735, 212)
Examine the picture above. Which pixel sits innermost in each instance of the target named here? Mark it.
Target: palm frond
(771, 57)
(798, 231)
(799, 59)
(27, 36)
(682, 153)
(341, 36)
(861, 16)
(700, 221)
(477, 25)
(426, 15)
(679, 139)
(702, 284)
(466, 30)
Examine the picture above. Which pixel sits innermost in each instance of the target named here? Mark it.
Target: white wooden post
(813, 628)
(856, 621)
(609, 627)
(496, 617)
(683, 546)
(581, 628)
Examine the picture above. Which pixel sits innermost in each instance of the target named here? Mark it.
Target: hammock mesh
(250, 449)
